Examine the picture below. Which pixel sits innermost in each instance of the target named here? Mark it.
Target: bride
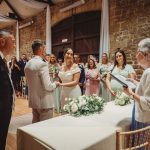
(69, 76)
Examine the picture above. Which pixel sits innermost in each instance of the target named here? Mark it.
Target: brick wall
(129, 23)
(37, 29)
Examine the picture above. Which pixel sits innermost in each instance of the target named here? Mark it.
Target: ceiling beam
(1, 1)
(11, 7)
(46, 1)
(50, 2)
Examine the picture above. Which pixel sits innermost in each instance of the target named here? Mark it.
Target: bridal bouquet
(121, 98)
(53, 71)
(84, 105)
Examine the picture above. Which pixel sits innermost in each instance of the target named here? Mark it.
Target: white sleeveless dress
(69, 92)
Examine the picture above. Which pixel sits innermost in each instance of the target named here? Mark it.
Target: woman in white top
(141, 96)
(69, 76)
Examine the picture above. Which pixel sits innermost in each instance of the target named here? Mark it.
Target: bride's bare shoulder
(74, 66)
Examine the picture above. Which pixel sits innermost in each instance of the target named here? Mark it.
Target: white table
(94, 132)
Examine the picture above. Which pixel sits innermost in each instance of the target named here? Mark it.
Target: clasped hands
(58, 84)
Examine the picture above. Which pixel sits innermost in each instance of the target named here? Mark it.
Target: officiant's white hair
(144, 45)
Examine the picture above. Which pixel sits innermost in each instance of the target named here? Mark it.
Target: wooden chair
(133, 140)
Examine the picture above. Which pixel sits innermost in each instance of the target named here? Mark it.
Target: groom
(39, 84)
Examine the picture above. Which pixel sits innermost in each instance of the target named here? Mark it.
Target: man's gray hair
(144, 45)
(4, 33)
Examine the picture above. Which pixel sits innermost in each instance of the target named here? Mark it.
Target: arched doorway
(81, 32)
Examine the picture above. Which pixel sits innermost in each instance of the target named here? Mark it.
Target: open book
(122, 80)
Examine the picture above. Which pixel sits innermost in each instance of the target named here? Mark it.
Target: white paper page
(123, 79)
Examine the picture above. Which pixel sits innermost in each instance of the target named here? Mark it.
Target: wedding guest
(92, 77)
(120, 67)
(69, 76)
(53, 71)
(141, 97)
(60, 62)
(104, 67)
(40, 87)
(82, 74)
(47, 58)
(22, 62)
(15, 75)
(7, 45)
(88, 58)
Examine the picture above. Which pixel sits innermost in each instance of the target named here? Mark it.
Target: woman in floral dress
(92, 76)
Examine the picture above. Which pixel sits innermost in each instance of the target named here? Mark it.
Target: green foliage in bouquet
(54, 69)
(121, 98)
(84, 105)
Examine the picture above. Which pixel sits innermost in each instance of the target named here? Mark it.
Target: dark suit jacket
(22, 65)
(6, 90)
(82, 74)
(6, 100)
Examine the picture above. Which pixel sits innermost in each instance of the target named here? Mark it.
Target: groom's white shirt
(40, 87)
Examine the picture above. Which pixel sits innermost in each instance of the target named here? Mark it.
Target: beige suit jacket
(40, 87)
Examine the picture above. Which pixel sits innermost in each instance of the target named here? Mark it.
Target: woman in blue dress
(53, 71)
(119, 68)
(104, 67)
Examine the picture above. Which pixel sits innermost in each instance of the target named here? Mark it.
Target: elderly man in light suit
(39, 84)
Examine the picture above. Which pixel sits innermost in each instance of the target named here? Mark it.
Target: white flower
(121, 98)
(82, 102)
(74, 108)
(96, 107)
(84, 105)
(66, 99)
(69, 99)
(66, 107)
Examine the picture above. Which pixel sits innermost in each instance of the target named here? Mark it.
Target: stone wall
(58, 16)
(37, 29)
(129, 23)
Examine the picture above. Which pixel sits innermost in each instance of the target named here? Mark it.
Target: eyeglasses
(118, 56)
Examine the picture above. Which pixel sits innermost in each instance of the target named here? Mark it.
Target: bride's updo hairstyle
(67, 49)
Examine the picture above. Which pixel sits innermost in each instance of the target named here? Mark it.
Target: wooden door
(81, 32)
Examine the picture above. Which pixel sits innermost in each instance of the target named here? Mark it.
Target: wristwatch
(132, 96)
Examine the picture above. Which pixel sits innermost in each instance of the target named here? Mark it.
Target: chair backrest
(133, 139)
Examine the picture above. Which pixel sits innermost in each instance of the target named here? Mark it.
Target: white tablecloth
(94, 132)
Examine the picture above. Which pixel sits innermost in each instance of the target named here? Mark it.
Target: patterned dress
(91, 85)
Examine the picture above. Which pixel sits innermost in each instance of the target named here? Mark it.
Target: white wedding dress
(68, 92)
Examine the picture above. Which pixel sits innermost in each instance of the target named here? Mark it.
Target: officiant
(141, 109)
(120, 67)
